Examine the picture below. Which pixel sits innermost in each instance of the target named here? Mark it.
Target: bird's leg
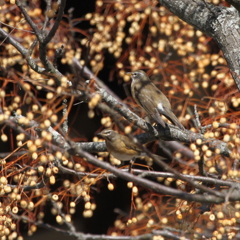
(131, 164)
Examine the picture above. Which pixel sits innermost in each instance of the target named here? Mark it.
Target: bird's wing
(131, 145)
(155, 102)
(146, 98)
(171, 117)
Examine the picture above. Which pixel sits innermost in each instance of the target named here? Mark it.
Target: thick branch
(220, 23)
(235, 3)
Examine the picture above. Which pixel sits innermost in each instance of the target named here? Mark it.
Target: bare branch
(55, 27)
(30, 21)
(154, 186)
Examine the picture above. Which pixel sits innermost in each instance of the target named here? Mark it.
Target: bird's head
(138, 75)
(107, 134)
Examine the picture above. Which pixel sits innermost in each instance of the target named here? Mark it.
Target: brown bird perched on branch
(151, 99)
(121, 147)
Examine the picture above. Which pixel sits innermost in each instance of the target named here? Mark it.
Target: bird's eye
(134, 74)
(108, 132)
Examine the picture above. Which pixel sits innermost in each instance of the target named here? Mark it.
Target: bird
(151, 99)
(122, 147)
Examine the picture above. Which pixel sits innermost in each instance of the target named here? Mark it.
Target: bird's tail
(172, 118)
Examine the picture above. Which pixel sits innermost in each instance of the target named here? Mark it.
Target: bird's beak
(128, 73)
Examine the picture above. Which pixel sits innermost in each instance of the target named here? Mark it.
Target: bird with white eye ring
(122, 147)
